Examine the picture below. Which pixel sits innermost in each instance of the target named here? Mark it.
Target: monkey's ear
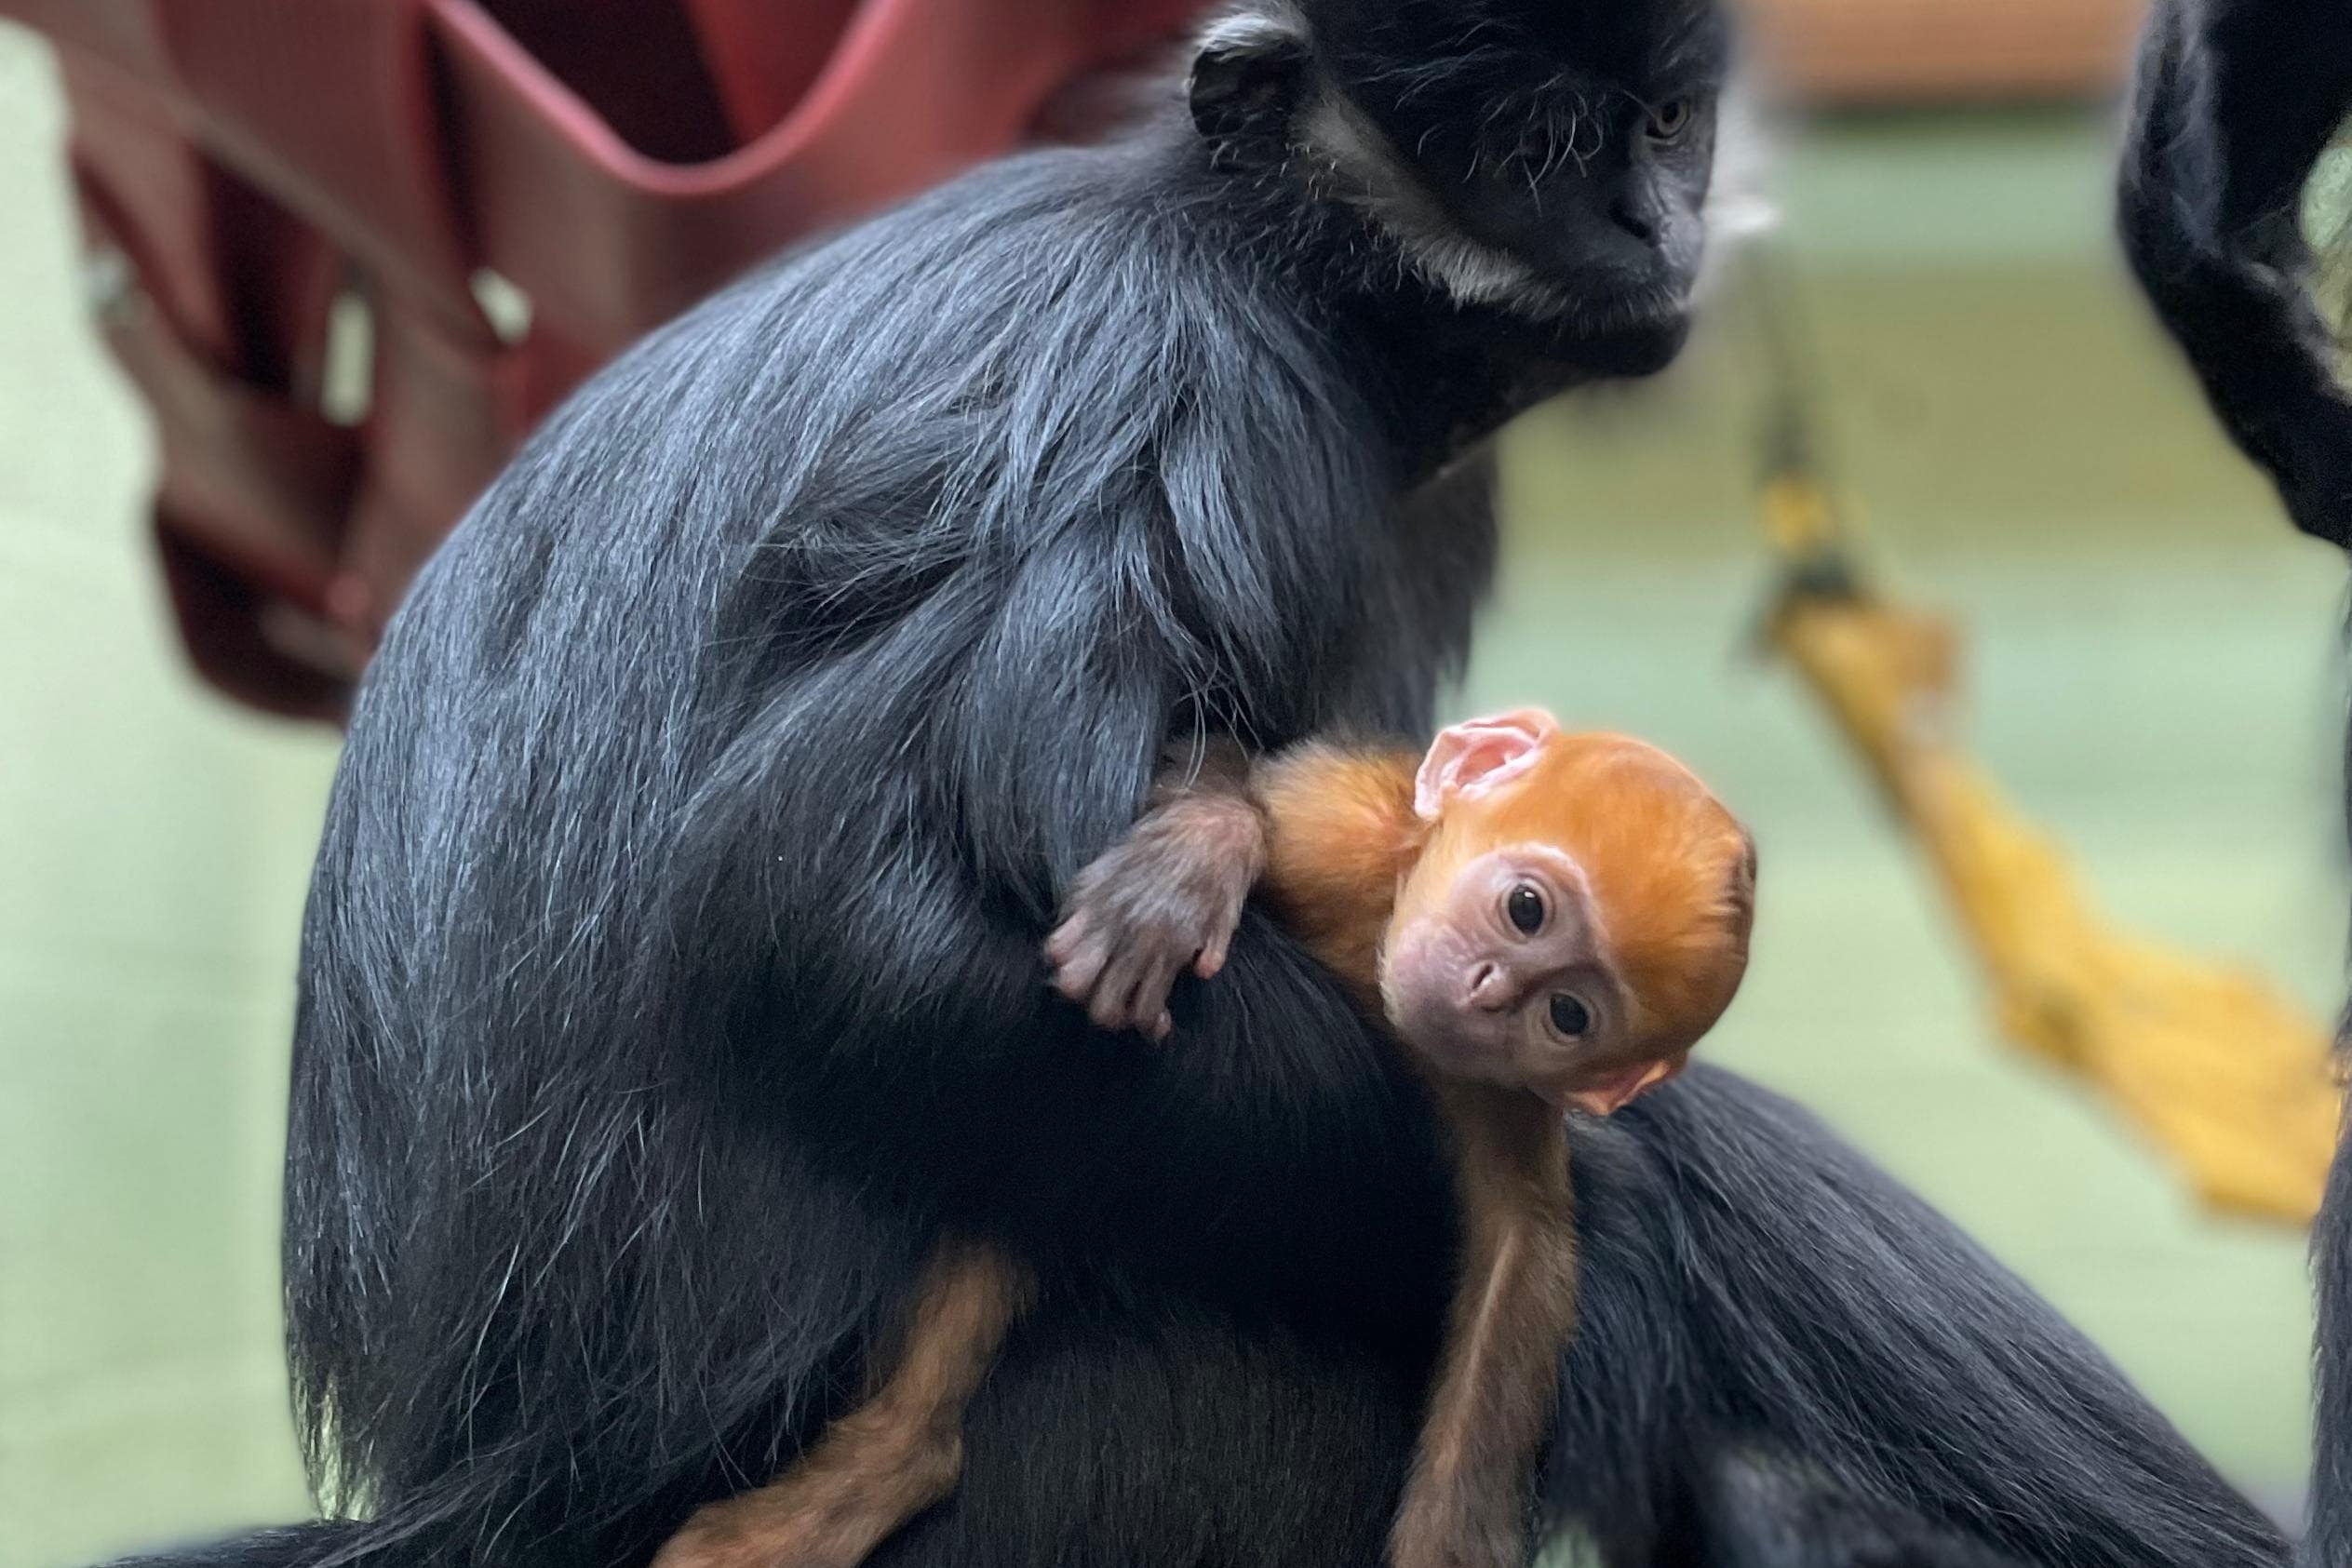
(1478, 756)
(1246, 77)
(1742, 893)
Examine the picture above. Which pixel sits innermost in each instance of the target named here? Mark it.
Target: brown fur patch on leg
(868, 1477)
(884, 1463)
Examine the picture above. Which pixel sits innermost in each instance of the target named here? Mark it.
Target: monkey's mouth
(1476, 1058)
(1632, 338)
(1626, 308)
(1455, 1042)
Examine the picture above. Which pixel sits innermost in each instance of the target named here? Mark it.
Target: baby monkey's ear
(1249, 75)
(1740, 898)
(1478, 756)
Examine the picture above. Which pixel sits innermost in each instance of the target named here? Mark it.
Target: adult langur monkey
(2235, 102)
(672, 976)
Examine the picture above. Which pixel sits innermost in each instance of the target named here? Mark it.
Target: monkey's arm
(1512, 1311)
(1340, 833)
(1165, 897)
(1328, 828)
(893, 1456)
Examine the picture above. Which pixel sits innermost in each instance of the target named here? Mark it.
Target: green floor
(2153, 673)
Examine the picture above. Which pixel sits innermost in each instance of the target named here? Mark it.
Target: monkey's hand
(1164, 899)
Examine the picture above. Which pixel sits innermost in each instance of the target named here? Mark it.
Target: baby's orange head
(1580, 917)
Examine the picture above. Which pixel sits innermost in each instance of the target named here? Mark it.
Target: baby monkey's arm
(1323, 829)
(1166, 897)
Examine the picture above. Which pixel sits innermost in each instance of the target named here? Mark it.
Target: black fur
(672, 969)
(2328, 1541)
(1856, 1382)
(2235, 103)
(299, 1546)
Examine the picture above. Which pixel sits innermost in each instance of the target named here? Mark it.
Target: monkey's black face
(1550, 159)
(1597, 197)
(1570, 140)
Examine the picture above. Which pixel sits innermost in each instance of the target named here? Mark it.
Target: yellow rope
(2232, 1083)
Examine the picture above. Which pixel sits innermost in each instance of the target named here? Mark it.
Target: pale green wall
(2154, 672)
(153, 849)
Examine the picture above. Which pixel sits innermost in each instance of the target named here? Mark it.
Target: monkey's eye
(1670, 119)
(1570, 1016)
(1525, 906)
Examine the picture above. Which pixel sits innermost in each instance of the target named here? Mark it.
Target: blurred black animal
(2237, 100)
(2234, 102)
(672, 971)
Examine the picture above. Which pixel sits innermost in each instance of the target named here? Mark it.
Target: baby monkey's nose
(1490, 989)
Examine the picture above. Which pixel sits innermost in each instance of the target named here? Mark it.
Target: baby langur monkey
(1545, 919)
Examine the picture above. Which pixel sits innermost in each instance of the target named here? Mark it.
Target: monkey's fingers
(1064, 940)
(1105, 1010)
(1078, 961)
(1217, 944)
(1112, 983)
(1122, 998)
(1150, 1005)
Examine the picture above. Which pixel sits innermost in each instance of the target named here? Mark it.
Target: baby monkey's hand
(1165, 898)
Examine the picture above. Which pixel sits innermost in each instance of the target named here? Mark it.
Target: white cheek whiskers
(1353, 162)
(1356, 164)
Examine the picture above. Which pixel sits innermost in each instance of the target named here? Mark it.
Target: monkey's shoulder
(1340, 832)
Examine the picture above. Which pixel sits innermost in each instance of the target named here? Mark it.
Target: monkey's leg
(1514, 1306)
(888, 1460)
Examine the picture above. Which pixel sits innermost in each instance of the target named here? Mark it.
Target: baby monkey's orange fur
(1545, 919)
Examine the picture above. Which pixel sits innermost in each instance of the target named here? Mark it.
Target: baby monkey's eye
(1670, 119)
(1526, 908)
(1570, 1016)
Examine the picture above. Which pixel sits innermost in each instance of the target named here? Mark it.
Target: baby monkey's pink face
(1579, 920)
(1509, 980)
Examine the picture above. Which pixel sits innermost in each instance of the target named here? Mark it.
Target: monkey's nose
(1489, 987)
